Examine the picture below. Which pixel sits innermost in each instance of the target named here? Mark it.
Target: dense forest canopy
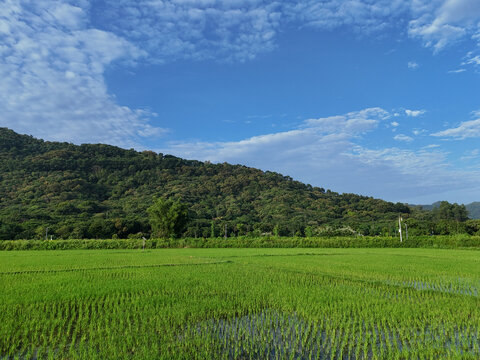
(102, 191)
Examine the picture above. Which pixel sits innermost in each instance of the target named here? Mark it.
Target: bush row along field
(438, 241)
(240, 304)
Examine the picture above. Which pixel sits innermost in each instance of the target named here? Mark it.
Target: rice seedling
(240, 304)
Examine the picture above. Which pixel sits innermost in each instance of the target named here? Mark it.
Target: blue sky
(374, 97)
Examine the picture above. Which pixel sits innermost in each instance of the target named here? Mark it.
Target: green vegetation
(438, 241)
(100, 191)
(168, 218)
(240, 304)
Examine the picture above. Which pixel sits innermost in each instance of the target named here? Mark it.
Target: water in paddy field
(273, 335)
(457, 287)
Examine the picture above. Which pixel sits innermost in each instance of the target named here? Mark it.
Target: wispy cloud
(327, 151)
(471, 155)
(439, 24)
(227, 30)
(52, 65)
(403, 137)
(363, 16)
(412, 65)
(467, 129)
(320, 133)
(206, 29)
(457, 71)
(54, 53)
(417, 132)
(475, 113)
(472, 59)
(414, 113)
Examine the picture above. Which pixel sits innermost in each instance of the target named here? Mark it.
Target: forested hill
(96, 191)
(473, 210)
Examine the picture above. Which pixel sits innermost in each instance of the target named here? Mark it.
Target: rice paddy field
(240, 304)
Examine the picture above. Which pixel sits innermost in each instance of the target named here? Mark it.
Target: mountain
(431, 206)
(473, 209)
(78, 191)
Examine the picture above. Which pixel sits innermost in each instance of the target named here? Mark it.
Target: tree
(309, 231)
(447, 211)
(276, 230)
(168, 218)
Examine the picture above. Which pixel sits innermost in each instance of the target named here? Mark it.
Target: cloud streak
(403, 137)
(467, 129)
(328, 152)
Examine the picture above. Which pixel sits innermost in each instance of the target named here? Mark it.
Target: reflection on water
(273, 335)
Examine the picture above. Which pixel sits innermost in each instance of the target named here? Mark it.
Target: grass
(240, 304)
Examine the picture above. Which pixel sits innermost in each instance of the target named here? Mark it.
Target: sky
(374, 97)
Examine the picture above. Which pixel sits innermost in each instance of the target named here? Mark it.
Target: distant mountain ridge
(473, 208)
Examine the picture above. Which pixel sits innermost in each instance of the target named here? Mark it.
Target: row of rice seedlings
(232, 311)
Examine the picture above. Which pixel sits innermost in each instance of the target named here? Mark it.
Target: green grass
(240, 304)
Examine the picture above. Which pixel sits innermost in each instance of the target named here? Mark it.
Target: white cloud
(53, 53)
(363, 16)
(327, 152)
(406, 162)
(471, 155)
(475, 113)
(319, 148)
(394, 123)
(472, 59)
(325, 133)
(52, 65)
(467, 129)
(414, 113)
(412, 65)
(351, 123)
(241, 30)
(402, 137)
(421, 174)
(171, 29)
(439, 24)
(457, 71)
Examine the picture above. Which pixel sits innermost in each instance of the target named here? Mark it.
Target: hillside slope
(473, 210)
(102, 190)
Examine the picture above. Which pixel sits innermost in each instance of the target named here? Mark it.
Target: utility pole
(406, 230)
(46, 234)
(400, 227)
(225, 230)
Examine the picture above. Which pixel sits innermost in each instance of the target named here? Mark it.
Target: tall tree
(168, 218)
